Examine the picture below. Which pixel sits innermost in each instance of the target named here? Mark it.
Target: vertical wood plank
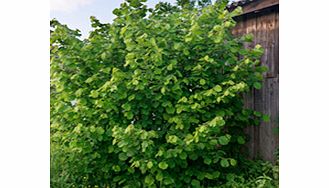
(265, 27)
(264, 100)
(251, 27)
(267, 137)
(276, 44)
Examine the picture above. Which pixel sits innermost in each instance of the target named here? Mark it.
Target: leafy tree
(153, 99)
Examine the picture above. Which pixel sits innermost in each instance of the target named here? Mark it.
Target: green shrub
(258, 173)
(153, 99)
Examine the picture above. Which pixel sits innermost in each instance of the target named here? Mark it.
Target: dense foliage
(153, 99)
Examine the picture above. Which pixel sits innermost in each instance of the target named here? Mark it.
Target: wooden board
(254, 6)
(265, 27)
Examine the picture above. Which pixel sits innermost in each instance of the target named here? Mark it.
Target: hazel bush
(153, 99)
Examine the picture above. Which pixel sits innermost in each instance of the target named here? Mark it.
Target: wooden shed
(261, 18)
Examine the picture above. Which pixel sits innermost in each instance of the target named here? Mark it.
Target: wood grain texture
(264, 140)
(259, 5)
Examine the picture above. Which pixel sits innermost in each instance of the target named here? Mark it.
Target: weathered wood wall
(264, 25)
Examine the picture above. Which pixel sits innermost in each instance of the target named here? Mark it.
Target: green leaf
(193, 156)
(123, 156)
(110, 149)
(202, 82)
(195, 183)
(257, 85)
(129, 115)
(163, 90)
(149, 164)
(157, 71)
(224, 140)
(209, 176)
(249, 37)
(218, 88)
(186, 52)
(188, 39)
(117, 178)
(116, 168)
(100, 130)
(207, 161)
(168, 181)
(213, 142)
(258, 46)
(227, 24)
(224, 163)
(116, 12)
(182, 100)
(170, 67)
(200, 175)
(257, 114)
(92, 129)
(126, 106)
(216, 174)
(89, 80)
(149, 180)
(195, 106)
(233, 162)
(183, 156)
(79, 92)
(94, 94)
(266, 118)
(172, 139)
(131, 97)
(103, 56)
(135, 82)
(221, 122)
(241, 140)
(177, 46)
(170, 110)
(159, 176)
(163, 165)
